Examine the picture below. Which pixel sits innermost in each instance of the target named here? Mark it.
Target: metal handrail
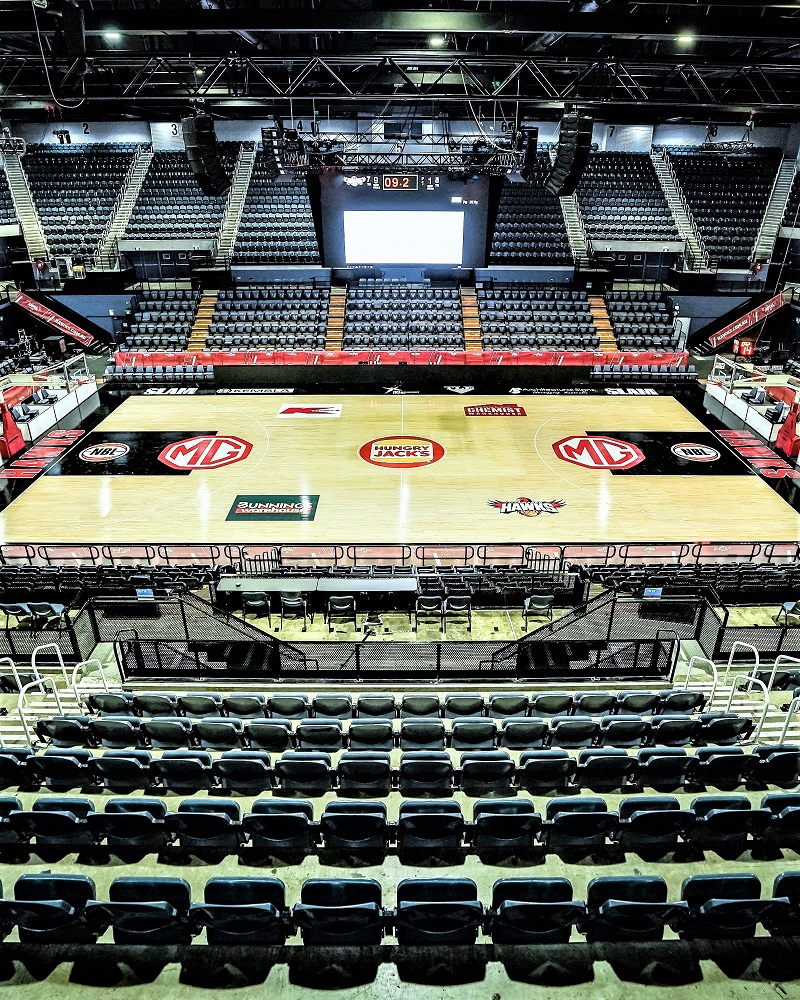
(764, 711)
(793, 706)
(741, 645)
(15, 671)
(83, 663)
(714, 674)
(42, 684)
(780, 658)
(60, 658)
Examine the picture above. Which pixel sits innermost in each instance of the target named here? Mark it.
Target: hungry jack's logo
(527, 507)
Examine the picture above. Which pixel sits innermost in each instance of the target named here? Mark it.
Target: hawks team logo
(528, 507)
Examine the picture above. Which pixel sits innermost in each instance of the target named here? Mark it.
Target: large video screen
(404, 237)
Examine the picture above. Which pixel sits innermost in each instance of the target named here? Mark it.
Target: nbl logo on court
(527, 507)
(598, 452)
(693, 452)
(206, 451)
(105, 451)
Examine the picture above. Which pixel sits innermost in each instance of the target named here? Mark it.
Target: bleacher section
(514, 318)
(8, 215)
(727, 194)
(75, 189)
(530, 224)
(171, 204)
(642, 321)
(621, 199)
(737, 582)
(276, 226)
(401, 316)
(284, 316)
(161, 320)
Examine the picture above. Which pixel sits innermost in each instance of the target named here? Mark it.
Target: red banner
(53, 319)
(749, 319)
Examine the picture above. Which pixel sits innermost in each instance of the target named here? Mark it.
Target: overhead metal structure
(642, 61)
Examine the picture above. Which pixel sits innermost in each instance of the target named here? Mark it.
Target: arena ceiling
(622, 61)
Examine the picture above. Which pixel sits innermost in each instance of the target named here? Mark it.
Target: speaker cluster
(202, 152)
(572, 154)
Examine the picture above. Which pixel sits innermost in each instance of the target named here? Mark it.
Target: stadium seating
(727, 194)
(75, 188)
(735, 582)
(791, 213)
(8, 215)
(276, 225)
(530, 225)
(402, 316)
(281, 316)
(642, 320)
(517, 317)
(171, 204)
(621, 198)
(160, 319)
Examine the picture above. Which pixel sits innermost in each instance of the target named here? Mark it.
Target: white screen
(403, 237)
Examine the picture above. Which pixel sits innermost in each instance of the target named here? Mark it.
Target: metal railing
(690, 666)
(734, 647)
(41, 684)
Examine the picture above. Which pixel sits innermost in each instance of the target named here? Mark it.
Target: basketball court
(398, 469)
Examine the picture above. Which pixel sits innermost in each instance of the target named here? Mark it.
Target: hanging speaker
(202, 153)
(572, 154)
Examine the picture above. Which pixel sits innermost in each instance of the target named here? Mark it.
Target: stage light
(685, 39)
(112, 36)
(436, 41)
(199, 72)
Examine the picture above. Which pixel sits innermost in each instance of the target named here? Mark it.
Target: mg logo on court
(205, 451)
(598, 452)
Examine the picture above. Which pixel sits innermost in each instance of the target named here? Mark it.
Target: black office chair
(293, 606)
(41, 614)
(788, 608)
(258, 605)
(457, 606)
(428, 606)
(342, 606)
(538, 606)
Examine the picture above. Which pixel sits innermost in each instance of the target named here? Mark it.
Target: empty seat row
(202, 705)
(49, 908)
(215, 733)
(645, 825)
(538, 772)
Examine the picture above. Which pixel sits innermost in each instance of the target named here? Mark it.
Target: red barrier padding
(583, 359)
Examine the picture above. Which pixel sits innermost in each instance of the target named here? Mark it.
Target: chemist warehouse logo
(527, 507)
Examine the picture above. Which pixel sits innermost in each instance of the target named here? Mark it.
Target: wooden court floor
(398, 469)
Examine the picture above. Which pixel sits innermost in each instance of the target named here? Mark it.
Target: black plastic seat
(543, 771)
(184, 771)
(245, 706)
(674, 730)
(116, 732)
(553, 704)
(723, 729)
(354, 825)
(652, 824)
(664, 769)
(248, 772)
(167, 733)
(201, 706)
(122, 770)
(459, 706)
(152, 911)
(50, 908)
(273, 735)
(365, 773)
(776, 765)
(14, 766)
(574, 733)
(583, 823)
(65, 731)
(628, 731)
(130, 823)
(426, 772)
(370, 734)
(340, 912)
(504, 706)
(376, 706)
(523, 734)
(534, 911)
(308, 772)
(726, 768)
(328, 706)
(725, 907)
(437, 911)
(420, 706)
(242, 911)
(281, 825)
(288, 706)
(784, 830)
(486, 771)
(629, 908)
(430, 825)
(216, 733)
(505, 824)
(726, 822)
(478, 734)
(212, 824)
(427, 734)
(325, 735)
(55, 822)
(605, 769)
(112, 703)
(60, 770)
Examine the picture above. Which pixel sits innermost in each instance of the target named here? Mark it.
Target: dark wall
(96, 307)
(704, 308)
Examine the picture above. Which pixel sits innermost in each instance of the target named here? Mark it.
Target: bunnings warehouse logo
(283, 507)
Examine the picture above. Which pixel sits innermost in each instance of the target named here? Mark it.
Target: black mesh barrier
(395, 660)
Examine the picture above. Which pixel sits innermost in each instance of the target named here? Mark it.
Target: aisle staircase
(576, 234)
(602, 323)
(680, 210)
(773, 216)
(335, 326)
(25, 208)
(233, 209)
(107, 255)
(202, 321)
(471, 320)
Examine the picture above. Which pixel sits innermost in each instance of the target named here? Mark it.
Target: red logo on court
(402, 451)
(205, 451)
(598, 452)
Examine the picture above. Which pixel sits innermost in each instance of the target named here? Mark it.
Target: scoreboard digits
(400, 182)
